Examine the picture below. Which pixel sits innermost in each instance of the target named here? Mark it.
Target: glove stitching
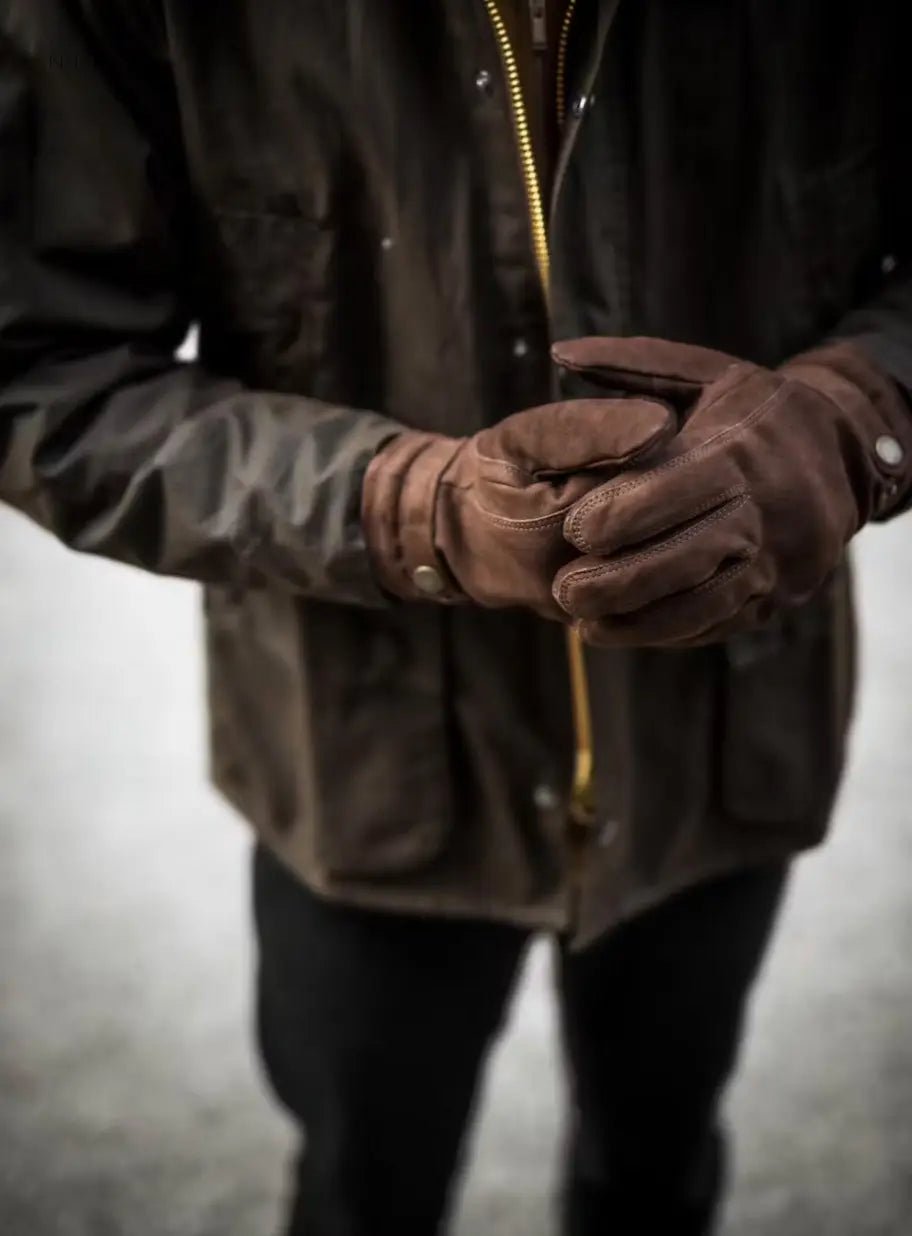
(521, 525)
(611, 461)
(687, 534)
(582, 367)
(705, 589)
(603, 569)
(710, 504)
(507, 466)
(724, 577)
(600, 497)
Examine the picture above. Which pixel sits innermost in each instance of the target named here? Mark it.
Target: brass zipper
(562, 46)
(582, 798)
(524, 142)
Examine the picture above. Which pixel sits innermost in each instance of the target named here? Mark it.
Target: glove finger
(591, 435)
(703, 615)
(752, 615)
(595, 587)
(647, 503)
(658, 367)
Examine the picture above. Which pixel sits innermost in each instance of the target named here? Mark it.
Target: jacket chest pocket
(271, 276)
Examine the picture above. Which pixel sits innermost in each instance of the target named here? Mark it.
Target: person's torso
(366, 232)
(365, 221)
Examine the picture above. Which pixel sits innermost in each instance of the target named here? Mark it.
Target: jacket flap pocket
(379, 740)
(787, 695)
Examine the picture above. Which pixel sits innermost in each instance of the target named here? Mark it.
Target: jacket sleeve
(883, 328)
(105, 438)
(881, 324)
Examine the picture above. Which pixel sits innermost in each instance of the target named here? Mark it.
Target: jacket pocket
(788, 693)
(255, 712)
(378, 715)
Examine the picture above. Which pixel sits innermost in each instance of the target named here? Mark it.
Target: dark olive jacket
(332, 190)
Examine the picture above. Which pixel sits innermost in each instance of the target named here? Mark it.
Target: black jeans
(374, 1029)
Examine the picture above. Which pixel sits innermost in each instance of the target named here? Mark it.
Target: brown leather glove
(482, 518)
(749, 508)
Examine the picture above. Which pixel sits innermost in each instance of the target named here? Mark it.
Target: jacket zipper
(582, 802)
(524, 142)
(562, 46)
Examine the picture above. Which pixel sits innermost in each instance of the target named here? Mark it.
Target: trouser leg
(373, 1031)
(652, 1019)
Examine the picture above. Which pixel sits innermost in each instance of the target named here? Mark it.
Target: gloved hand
(749, 508)
(482, 518)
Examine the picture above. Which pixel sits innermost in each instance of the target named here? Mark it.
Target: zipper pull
(539, 16)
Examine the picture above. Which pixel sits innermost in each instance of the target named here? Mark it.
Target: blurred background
(130, 1102)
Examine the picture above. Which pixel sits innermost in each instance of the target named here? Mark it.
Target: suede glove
(481, 518)
(749, 508)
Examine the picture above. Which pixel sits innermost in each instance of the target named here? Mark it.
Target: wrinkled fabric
(748, 509)
(331, 190)
(105, 438)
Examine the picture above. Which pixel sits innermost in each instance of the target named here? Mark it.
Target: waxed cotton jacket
(333, 190)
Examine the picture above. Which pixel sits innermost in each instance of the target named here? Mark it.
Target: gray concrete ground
(129, 1099)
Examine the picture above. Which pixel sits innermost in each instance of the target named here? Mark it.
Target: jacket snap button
(889, 451)
(579, 105)
(608, 833)
(521, 348)
(545, 798)
(427, 579)
(483, 81)
(888, 264)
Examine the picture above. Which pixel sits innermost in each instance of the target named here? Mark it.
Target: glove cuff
(876, 408)
(398, 507)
